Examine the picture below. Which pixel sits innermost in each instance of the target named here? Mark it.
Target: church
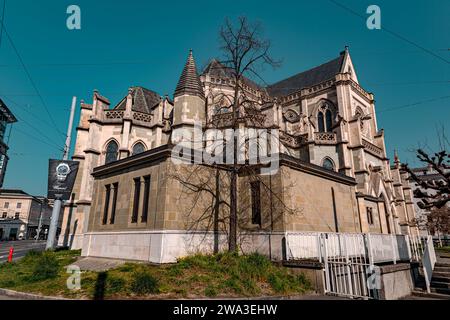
(132, 201)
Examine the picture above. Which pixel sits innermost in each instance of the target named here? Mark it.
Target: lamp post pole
(58, 202)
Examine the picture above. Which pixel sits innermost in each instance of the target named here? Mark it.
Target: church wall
(319, 153)
(312, 196)
(375, 227)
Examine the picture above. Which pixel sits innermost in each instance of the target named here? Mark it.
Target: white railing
(378, 248)
(350, 259)
(428, 261)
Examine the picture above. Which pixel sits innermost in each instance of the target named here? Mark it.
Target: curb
(27, 296)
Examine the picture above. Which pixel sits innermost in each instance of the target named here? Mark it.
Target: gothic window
(328, 164)
(328, 120)
(325, 115)
(112, 152)
(320, 122)
(138, 148)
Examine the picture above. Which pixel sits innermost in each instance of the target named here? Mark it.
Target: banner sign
(61, 178)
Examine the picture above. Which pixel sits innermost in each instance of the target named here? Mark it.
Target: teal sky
(137, 42)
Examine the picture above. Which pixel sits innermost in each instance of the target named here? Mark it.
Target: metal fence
(379, 248)
(350, 259)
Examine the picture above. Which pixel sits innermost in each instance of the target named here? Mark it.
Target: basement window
(137, 191)
(256, 202)
(106, 207)
(370, 215)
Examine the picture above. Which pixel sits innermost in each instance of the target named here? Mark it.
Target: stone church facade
(130, 200)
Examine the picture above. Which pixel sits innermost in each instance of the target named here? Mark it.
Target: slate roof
(189, 82)
(144, 100)
(307, 78)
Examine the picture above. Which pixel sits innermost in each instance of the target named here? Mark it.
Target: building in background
(22, 215)
(6, 118)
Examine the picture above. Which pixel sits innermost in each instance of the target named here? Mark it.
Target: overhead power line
(32, 114)
(30, 78)
(37, 139)
(395, 34)
(410, 105)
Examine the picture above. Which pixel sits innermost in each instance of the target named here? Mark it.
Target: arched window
(328, 164)
(328, 120)
(112, 152)
(320, 122)
(138, 148)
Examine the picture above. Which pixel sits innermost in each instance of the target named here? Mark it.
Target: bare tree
(433, 193)
(245, 53)
(213, 188)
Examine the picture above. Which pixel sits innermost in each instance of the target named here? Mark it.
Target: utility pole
(58, 202)
(40, 222)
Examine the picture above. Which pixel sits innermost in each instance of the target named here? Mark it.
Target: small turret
(189, 97)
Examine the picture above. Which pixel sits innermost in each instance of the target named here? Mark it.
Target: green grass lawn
(222, 275)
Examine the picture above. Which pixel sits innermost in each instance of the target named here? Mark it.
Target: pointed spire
(189, 82)
(396, 157)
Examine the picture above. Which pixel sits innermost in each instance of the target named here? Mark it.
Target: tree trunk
(232, 239)
(216, 214)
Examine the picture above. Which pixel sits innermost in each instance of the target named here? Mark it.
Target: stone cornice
(139, 160)
(93, 151)
(316, 170)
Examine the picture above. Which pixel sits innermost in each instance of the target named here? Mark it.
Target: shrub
(143, 282)
(32, 254)
(114, 284)
(210, 291)
(277, 283)
(45, 266)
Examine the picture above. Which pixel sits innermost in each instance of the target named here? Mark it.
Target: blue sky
(138, 42)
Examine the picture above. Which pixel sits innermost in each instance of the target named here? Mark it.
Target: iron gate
(347, 266)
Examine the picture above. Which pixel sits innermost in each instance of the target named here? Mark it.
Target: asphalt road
(20, 248)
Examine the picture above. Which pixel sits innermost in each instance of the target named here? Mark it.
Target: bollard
(11, 252)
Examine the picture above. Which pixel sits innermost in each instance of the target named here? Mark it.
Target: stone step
(420, 293)
(439, 284)
(440, 274)
(445, 291)
(442, 269)
(440, 279)
(442, 264)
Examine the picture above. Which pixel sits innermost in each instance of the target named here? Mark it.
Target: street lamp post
(58, 201)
